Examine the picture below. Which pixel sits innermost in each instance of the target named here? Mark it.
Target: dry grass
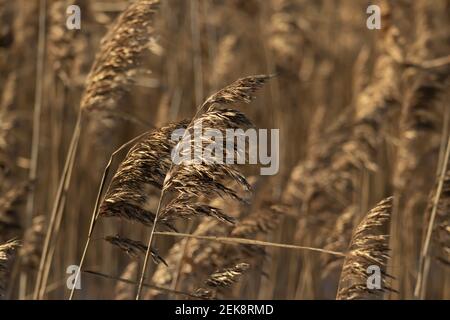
(363, 115)
(368, 247)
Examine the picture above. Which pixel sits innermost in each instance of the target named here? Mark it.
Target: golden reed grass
(362, 116)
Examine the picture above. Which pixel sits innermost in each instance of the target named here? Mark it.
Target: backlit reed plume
(121, 53)
(221, 279)
(192, 178)
(140, 176)
(368, 247)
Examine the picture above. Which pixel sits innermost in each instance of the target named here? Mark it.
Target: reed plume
(133, 248)
(140, 176)
(121, 53)
(368, 247)
(193, 178)
(221, 279)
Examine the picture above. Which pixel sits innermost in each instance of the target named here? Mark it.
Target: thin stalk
(150, 240)
(57, 228)
(231, 240)
(56, 205)
(95, 213)
(445, 133)
(152, 286)
(147, 253)
(435, 63)
(423, 271)
(198, 85)
(35, 140)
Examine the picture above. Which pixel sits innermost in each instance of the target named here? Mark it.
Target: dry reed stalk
(438, 211)
(140, 176)
(50, 244)
(56, 216)
(146, 285)
(68, 59)
(190, 259)
(98, 202)
(202, 258)
(262, 221)
(36, 134)
(231, 240)
(368, 247)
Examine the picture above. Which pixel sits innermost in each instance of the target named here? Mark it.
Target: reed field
(93, 205)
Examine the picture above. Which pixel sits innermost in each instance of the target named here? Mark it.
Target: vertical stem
(198, 65)
(150, 240)
(35, 140)
(147, 253)
(423, 271)
(56, 205)
(197, 58)
(57, 228)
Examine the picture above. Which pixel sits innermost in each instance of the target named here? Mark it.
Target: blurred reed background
(363, 116)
